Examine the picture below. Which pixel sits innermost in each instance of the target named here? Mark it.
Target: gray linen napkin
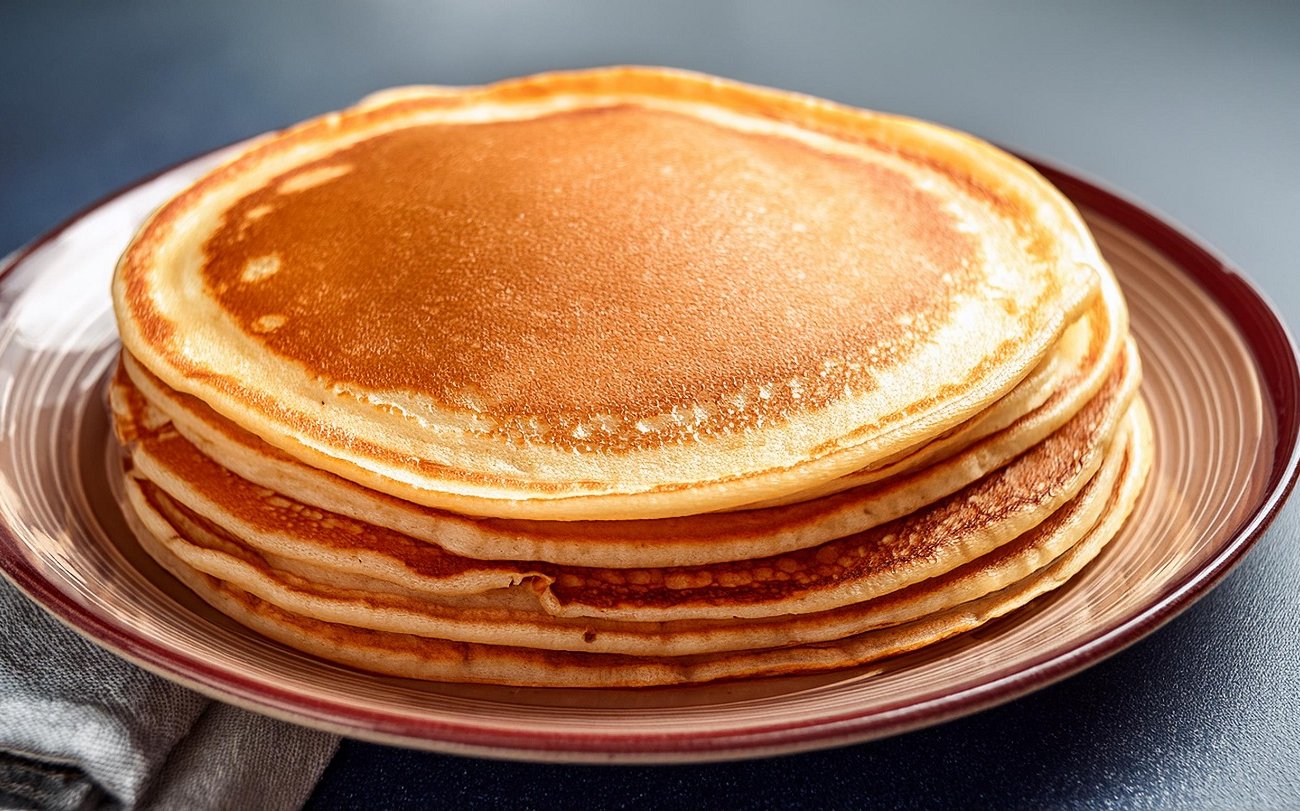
(82, 729)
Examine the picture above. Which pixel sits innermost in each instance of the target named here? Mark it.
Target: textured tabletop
(1192, 108)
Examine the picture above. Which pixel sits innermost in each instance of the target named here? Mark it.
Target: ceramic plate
(1221, 379)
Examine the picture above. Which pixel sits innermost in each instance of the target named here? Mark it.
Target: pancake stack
(619, 378)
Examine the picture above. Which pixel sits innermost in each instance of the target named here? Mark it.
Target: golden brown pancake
(926, 543)
(477, 301)
(424, 657)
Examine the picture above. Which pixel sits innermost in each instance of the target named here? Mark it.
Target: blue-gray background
(1193, 108)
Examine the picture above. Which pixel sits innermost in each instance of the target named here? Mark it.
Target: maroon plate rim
(1264, 332)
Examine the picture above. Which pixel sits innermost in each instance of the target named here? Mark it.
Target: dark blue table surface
(1191, 107)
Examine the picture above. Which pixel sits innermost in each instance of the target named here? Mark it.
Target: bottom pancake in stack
(934, 551)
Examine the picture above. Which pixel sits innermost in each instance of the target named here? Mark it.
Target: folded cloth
(83, 729)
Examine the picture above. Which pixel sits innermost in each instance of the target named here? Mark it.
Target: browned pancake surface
(450, 260)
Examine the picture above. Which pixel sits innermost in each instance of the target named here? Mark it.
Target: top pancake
(611, 294)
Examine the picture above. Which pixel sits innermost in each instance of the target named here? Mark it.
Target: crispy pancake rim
(501, 618)
(425, 658)
(954, 530)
